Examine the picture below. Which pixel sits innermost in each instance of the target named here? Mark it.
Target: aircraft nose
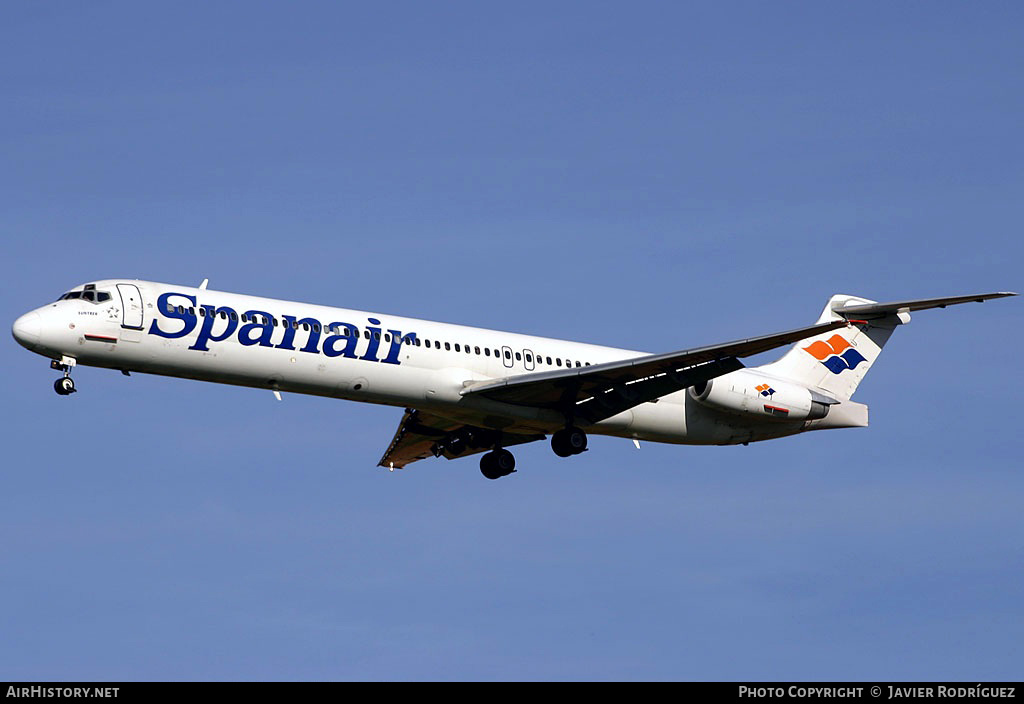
(26, 330)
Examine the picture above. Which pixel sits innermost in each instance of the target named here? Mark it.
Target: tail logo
(765, 390)
(835, 353)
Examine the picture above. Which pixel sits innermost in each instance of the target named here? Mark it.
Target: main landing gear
(569, 441)
(500, 463)
(497, 464)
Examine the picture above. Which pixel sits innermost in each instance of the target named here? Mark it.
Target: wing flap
(422, 435)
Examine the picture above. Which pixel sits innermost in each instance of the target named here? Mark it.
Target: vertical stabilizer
(837, 361)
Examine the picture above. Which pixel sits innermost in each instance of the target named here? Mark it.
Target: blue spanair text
(178, 314)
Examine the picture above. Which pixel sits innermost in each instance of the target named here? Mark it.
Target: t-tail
(836, 362)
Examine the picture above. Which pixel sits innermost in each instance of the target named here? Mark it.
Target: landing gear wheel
(64, 386)
(569, 441)
(497, 464)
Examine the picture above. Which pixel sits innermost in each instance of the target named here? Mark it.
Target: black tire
(559, 445)
(576, 440)
(505, 462)
(488, 468)
(64, 386)
(568, 442)
(497, 464)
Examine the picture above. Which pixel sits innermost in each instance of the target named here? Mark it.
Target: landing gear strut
(497, 464)
(569, 441)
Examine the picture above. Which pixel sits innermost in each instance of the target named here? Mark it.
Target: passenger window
(529, 357)
(549, 360)
(487, 351)
(457, 348)
(477, 350)
(234, 315)
(366, 334)
(577, 364)
(558, 361)
(202, 312)
(448, 346)
(181, 310)
(519, 357)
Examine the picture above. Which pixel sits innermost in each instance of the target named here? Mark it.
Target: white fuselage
(286, 346)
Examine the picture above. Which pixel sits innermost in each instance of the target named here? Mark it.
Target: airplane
(469, 390)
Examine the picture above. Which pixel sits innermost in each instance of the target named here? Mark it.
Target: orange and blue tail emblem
(836, 354)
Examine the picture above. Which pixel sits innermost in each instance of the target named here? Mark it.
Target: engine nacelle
(755, 396)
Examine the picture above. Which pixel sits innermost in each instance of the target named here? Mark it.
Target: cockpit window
(88, 295)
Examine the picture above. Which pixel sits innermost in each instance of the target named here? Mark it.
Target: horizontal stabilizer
(880, 310)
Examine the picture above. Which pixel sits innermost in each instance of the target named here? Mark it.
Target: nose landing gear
(65, 386)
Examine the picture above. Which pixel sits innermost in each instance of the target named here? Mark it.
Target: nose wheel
(65, 386)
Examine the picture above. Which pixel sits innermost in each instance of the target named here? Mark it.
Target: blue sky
(647, 175)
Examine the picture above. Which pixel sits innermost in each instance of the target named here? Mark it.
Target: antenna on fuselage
(202, 286)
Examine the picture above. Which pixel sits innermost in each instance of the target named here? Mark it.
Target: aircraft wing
(419, 432)
(602, 390)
